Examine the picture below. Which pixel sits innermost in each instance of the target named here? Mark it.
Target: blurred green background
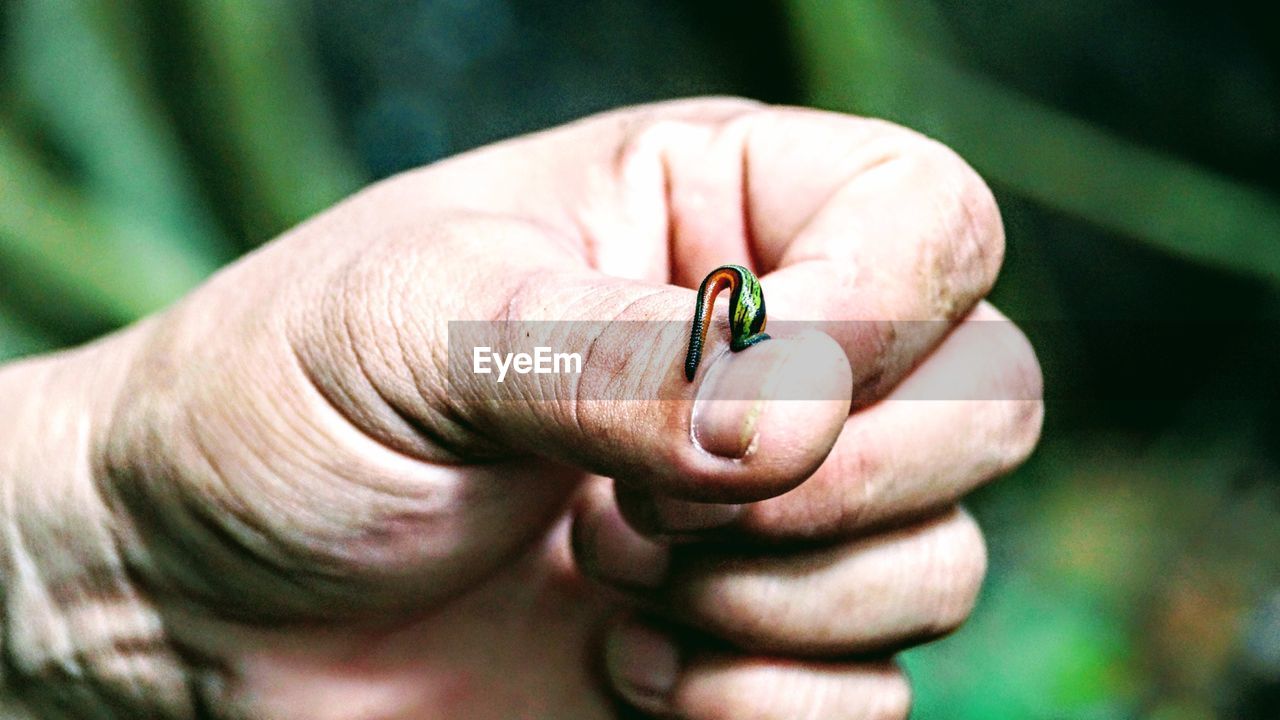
(1134, 146)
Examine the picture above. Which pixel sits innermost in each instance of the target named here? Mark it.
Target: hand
(269, 501)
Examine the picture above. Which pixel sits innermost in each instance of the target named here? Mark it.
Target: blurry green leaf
(1036, 648)
(18, 337)
(868, 56)
(1082, 541)
(271, 110)
(78, 65)
(93, 254)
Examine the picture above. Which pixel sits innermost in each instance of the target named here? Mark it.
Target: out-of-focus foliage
(891, 59)
(1133, 146)
(1134, 570)
(144, 144)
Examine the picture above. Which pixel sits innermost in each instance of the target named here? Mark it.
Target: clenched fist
(270, 501)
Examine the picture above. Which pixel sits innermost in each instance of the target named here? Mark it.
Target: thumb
(589, 370)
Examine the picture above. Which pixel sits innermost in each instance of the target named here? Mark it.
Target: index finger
(890, 247)
(861, 225)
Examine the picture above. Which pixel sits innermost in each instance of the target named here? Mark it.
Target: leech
(746, 313)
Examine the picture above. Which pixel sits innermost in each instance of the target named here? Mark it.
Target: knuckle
(1012, 388)
(1024, 408)
(978, 222)
(752, 618)
(1024, 373)
(958, 566)
(652, 130)
(895, 701)
(745, 610)
(967, 251)
(647, 142)
(1025, 420)
(972, 213)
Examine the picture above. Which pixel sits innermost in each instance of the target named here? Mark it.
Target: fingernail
(727, 408)
(743, 391)
(684, 516)
(625, 557)
(643, 665)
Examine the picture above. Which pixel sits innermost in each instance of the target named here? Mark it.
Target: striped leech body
(746, 313)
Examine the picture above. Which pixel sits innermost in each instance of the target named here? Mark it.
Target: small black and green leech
(746, 312)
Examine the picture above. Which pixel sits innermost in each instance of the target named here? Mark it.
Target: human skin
(267, 502)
